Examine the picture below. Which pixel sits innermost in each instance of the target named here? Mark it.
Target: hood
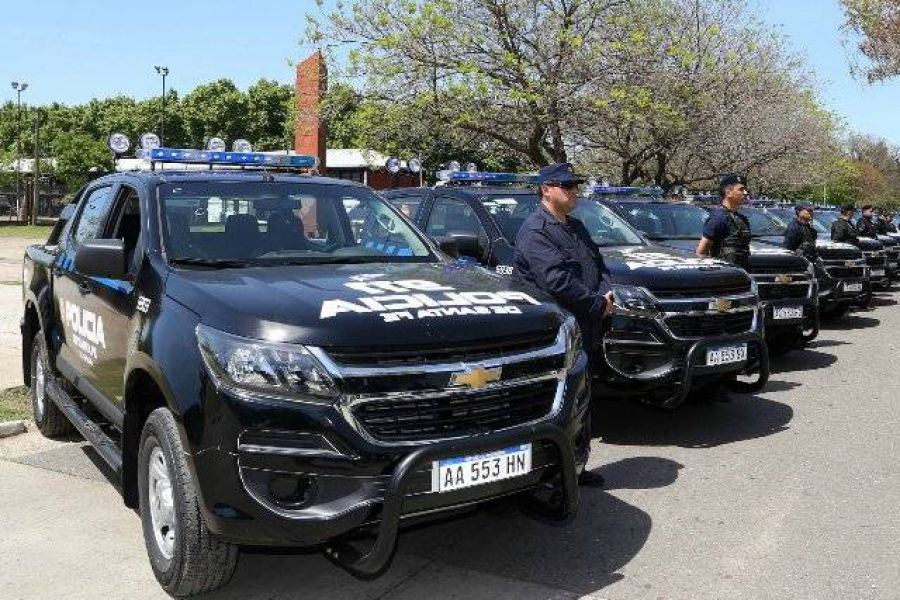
(659, 267)
(763, 256)
(870, 244)
(887, 240)
(396, 305)
(837, 250)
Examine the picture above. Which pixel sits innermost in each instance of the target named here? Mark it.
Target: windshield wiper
(215, 263)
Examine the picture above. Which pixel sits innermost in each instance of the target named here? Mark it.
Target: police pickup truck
(679, 322)
(786, 282)
(841, 270)
(880, 253)
(259, 371)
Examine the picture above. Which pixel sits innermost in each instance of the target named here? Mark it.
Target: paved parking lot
(791, 493)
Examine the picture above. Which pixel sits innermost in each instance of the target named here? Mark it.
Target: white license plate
(453, 474)
(877, 272)
(787, 312)
(852, 287)
(892, 265)
(726, 355)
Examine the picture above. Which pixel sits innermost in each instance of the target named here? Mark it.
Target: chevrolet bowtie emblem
(784, 279)
(475, 378)
(850, 263)
(721, 304)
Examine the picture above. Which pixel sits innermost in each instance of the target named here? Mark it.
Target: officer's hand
(609, 302)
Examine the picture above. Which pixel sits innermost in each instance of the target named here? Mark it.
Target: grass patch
(41, 232)
(15, 404)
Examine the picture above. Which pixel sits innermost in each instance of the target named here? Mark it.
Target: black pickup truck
(881, 253)
(258, 370)
(842, 270)
(680, 323)
(787, 283)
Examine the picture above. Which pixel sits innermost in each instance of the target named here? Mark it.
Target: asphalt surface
(791, 493)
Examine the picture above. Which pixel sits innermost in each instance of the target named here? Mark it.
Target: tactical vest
(808, 247)
(735, 248)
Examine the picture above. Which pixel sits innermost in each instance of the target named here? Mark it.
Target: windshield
(762, 223)
(665, 221)
(786, 215)
(604, 226)
(259, 223)
(825, 218)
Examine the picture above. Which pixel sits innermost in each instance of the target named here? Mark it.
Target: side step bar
(108, 450)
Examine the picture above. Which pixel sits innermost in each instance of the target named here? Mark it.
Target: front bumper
(357, 485)
(800, 291)
(650, 362)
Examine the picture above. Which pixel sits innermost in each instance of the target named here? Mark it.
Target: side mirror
(467, 244)
(448, 246)
(101, 258)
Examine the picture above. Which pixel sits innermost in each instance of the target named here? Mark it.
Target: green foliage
(76, 135)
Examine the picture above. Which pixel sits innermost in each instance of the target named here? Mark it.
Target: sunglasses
(566, 185)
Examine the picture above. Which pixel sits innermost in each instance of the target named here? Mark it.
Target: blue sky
(72, 51)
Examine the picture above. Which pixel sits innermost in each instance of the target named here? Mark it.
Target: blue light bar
(603, 190)
(207, 157)
(484, 176)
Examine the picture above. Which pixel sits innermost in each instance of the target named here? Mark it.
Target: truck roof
(169, 175)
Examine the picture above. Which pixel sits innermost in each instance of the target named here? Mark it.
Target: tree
(876, 23)
(508, 72)
(76, 153)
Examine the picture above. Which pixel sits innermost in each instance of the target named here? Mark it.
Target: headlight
(281, 370)
(754, 287)
(635, 301)
(572, 333)
(811, 268)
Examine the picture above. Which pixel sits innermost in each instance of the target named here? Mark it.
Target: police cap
(848, 208)
(803, 206)
(729, 180)
(559, 173)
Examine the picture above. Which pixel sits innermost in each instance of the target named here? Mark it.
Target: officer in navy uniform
(726, 234)
(843, 229)
(800, 236)
(865, 226)
(886, 222)
(555, 253)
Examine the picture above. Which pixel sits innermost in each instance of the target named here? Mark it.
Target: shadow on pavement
(802, 360)
(498, 542)
(776, 385)
(582, 557)
(883, 301)
(699, 425)
(825, 343)
(851, 321)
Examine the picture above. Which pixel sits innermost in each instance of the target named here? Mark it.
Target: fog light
(291, 491)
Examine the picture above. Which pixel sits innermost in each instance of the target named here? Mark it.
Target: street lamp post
(19, 87)
(162, 120)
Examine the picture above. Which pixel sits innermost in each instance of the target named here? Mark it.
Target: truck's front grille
(779, 291)
(838, 269)
(420, 355)
(710, 324)
(454, 414)
(704, 292)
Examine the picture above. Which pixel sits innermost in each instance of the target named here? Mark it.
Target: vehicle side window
(127, 225)
(96, 206)
(408, 204)
(450, 215)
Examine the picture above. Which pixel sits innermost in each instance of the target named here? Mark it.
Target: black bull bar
(372, 562)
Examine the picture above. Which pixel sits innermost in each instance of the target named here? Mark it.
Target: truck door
(114, 300)
(84, 337)
(454, 218)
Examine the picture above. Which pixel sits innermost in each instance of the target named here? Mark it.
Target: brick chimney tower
(309, 129)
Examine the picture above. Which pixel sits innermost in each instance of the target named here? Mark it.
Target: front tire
(49, 419)
(186, 558)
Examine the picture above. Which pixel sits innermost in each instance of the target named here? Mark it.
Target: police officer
(800, 236)
(865, 226)
(726, 234)
(843, 229)
(886, 222)
(555, 253)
